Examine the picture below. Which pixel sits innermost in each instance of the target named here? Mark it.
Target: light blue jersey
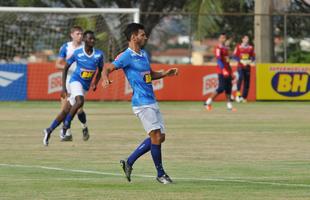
(65, 52)
(86, 66)
(138, 72)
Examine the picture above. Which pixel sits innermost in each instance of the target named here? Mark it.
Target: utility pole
(263, 31)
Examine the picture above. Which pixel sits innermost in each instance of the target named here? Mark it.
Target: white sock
(209, 101)
(84, 125)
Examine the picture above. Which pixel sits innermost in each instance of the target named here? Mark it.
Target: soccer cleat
(46, 137)
(239, 99)
(67, 138)
(229, 106)
(85, 134)
(126, 168)
(61, 135)
(207, 106)
(65, 135)
(165, 179)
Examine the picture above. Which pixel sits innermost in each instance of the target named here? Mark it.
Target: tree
(209, 18)
(152, 11)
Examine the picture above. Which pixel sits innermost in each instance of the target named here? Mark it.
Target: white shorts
(150, 117)
(75, 89)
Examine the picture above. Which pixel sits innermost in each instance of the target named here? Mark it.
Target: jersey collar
(139, 54)
(91, 55)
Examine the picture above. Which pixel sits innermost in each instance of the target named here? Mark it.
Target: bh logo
(291, 84)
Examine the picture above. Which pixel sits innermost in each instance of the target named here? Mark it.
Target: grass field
(262, 151)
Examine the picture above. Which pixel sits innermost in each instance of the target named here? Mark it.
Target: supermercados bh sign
(283, 82)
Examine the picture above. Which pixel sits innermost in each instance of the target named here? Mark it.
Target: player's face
(141, 38)
(89, 40)
(77, 36)
(222, 39)
(245, 40)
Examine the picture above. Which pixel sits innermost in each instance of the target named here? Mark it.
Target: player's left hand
(172, 72)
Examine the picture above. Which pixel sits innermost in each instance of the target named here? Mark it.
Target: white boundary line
(148, 176)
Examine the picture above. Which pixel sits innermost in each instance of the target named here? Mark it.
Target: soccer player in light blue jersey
(88, 61)
(135, 64)
(65, 52)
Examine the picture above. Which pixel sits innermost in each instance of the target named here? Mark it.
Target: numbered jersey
(222, 53)
(86, 66)
(245, 53)
(65, 52)
(137, 69)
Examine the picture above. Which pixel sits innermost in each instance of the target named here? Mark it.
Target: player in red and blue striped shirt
(224, 72)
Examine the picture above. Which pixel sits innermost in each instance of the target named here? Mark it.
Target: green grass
(261, 151)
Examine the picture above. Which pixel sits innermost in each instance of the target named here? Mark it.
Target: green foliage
(208, 19)
(35, 3)
(299, 56)
(202, 23)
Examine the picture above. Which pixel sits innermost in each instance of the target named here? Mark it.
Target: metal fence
(178, 38)
(189, 38)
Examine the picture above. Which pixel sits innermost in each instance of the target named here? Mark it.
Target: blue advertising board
(13, 82)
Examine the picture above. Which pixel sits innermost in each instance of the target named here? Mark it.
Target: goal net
(33, 36)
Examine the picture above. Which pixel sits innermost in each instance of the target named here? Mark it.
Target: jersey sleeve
(121, 61)
(218, 53)
(236, 54)
(63, 51)
(72, 59)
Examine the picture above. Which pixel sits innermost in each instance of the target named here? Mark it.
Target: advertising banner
(194, 83)
(283, 82)
(13, 82)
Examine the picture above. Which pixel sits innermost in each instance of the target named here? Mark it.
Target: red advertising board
(194, 83)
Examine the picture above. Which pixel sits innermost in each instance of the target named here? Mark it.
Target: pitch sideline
(148, 176)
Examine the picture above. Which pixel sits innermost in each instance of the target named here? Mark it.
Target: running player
(65, 53)
(224, 72)
(88, 61)
(135, 64)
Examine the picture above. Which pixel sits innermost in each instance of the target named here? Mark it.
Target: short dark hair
(88, 32)
(132, 28)
(222, 33)
(76, 28)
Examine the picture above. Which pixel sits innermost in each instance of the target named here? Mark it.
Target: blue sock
(156, 155)
(54, 125)
(67, 122)
(144, 147)
(82, 117)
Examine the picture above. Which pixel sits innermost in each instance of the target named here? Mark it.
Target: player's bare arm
(60, 63)
(105, 75)
(64, 79)
(158, 75)
(97, 79)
